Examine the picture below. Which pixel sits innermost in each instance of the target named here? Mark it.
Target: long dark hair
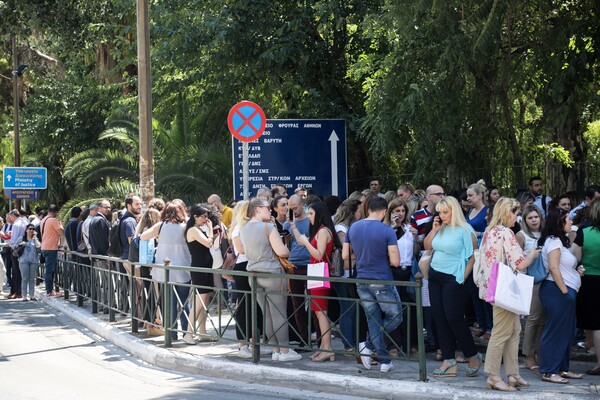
(555, 222)
(322, 218)
(196, 210)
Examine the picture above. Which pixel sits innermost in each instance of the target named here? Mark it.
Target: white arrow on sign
(8, 178)
(333, 138)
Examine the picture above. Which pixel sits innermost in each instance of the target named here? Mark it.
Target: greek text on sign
(25, 178)
(292, 153)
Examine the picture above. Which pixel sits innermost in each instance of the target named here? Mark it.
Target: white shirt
(236, 233)
(567, 265)
(406, 247)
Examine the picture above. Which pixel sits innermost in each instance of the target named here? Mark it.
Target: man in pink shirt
(51, 230)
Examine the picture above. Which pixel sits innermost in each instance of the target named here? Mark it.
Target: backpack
(134, 249)
(114, 240)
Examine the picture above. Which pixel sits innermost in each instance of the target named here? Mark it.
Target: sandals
(594, 371)
(570, 375)
(499, 384)
(450, 371)
(530, 364)
(554, 378)
(471, 372)
(516, 381)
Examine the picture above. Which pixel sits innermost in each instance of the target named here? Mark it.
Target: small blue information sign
(21, 194)
(25, 178)
(292, 153)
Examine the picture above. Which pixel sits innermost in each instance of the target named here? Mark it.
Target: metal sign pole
(245, 170)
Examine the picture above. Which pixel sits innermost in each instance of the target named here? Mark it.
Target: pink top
(498, 245)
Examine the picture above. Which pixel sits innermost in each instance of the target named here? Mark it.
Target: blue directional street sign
(308, 153)
(25, 178)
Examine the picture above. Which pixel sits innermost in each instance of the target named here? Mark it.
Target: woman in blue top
(453, 241)
(29, 261)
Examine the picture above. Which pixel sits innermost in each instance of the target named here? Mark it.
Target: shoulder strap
(544, 205)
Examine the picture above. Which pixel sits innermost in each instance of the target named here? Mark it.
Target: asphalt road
(43, 354)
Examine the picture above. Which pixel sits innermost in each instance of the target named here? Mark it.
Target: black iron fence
(117, 287)
(557, 178)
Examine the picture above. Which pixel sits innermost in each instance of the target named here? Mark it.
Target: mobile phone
(291, 214)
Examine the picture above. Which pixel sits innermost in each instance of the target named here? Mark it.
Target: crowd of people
(381, 237)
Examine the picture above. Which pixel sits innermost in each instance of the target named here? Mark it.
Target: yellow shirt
(227, 216)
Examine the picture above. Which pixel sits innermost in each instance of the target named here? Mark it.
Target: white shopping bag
(319, 269)
(513, 290)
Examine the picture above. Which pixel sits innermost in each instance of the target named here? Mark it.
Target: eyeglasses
(441, 194)
(201, 216)
(262, 206)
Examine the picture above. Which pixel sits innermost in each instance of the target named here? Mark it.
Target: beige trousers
(534, 325)
(504, 343)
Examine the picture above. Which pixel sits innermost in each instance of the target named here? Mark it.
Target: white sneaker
(275, 356)
(291, 355)
(188, 338)
(365, 355)
(244, 352)
(387, 367)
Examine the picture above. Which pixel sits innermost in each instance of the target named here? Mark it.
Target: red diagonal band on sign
(247, 121)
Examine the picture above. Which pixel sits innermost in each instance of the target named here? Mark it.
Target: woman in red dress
(320, 245)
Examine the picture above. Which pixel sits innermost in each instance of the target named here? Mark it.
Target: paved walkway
(342, 376)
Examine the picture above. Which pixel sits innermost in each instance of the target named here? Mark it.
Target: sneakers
(387, 367)
(365, 355)
(275, 356)
(188, 338)
(244, 352)
(291, 355)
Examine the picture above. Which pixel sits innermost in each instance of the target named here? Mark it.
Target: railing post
(166, 295)
(93, 290)
(255, 333)
(133, 289)
(111, 297)
(421, 339)
(79, 281)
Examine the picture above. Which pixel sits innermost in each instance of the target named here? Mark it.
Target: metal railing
(116, 286)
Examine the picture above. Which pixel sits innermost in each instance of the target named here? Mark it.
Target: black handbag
(336, 263)
(18, 251)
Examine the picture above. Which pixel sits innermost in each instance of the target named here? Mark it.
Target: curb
(369, 387)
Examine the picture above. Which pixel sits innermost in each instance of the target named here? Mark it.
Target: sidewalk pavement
(344, 376)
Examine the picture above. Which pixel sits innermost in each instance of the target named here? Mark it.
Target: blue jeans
(28, 272)
(377, 300)
(182, 296)
(348, 314)
(50, 256)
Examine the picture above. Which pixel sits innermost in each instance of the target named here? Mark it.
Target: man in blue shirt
(300, 257)
(376, 250)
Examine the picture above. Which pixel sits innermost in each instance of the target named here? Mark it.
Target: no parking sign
(246, 121)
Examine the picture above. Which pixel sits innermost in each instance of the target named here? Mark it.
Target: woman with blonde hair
(242, 285)
(500, 245)
(453, 241)
(262, 243)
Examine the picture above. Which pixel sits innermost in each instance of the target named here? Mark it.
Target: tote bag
(509, 290)
(321, 270)
(537, 270)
